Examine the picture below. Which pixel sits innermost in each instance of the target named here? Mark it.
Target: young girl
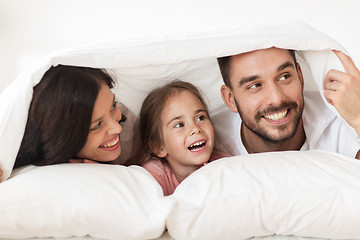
(176, 133)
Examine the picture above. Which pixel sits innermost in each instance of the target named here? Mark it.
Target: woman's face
(103, 142)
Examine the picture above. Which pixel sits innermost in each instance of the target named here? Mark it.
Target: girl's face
(103, 142)
(188, 134)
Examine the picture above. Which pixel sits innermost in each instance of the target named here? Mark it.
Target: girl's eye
(96, 126)
(179, 125)
(200, 118)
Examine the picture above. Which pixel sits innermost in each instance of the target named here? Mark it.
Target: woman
(73, 115)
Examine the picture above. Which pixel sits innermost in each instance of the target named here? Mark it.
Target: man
(266, 88)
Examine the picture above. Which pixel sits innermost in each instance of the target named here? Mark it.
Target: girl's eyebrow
(174, 119)
(98, 119)
(181, 116)
(199, 111)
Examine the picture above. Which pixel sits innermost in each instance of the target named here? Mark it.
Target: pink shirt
(165, 176)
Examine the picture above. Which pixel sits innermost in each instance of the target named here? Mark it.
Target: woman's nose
(114, 127)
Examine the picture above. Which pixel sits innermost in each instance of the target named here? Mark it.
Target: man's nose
(274, 95)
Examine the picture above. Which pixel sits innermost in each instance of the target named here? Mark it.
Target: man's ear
(298, 68)
(228, 98)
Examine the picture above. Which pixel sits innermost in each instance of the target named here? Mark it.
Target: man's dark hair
(225, 67)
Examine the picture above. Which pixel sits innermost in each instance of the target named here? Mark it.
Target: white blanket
(139, 66)
(143, 65)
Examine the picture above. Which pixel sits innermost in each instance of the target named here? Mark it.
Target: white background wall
(31, 28)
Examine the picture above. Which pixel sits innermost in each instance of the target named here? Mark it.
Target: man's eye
(255, 85)
(179, 125)
(96, 126)
(284, 77)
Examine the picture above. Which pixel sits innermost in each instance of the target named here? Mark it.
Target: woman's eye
(96, 126)
(179, 125)
(114, 105)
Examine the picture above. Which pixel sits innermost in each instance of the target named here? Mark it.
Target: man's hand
(342, 90)
(1, 173)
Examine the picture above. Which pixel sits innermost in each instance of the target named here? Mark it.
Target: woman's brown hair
(60, 114)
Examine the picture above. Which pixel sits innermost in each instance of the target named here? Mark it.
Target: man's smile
(277, 116)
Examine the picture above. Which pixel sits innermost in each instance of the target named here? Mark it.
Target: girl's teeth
(197, 146)
(276, 116)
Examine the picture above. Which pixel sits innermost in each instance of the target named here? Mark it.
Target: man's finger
(346, 61)
(334, 75)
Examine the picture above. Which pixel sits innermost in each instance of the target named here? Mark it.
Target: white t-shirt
(323, 129)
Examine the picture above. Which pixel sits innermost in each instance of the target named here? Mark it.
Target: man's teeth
(111, 144)
(276, 116)
(197, 146)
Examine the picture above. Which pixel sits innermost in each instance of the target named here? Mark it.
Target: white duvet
(307, 194)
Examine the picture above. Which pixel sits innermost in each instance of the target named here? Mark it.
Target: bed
(281, 195)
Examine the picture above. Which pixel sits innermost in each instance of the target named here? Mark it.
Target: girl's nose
(195, 129)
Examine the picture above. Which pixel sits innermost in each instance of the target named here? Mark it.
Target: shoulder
(217, 155)
(315, 105)
(316, 113)
(163, 175)
(324, 129)
(156, 166)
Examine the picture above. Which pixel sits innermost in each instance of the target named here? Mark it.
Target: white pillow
(102, 201)
(309, 194)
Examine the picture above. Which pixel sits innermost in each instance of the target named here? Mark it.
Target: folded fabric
(142, 64)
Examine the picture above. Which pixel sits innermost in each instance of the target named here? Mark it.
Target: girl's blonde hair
(151, 111)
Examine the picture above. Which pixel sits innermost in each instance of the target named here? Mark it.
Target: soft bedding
(307, 194)
(166, 236)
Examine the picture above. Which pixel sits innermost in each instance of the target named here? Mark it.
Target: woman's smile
(112, 144)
